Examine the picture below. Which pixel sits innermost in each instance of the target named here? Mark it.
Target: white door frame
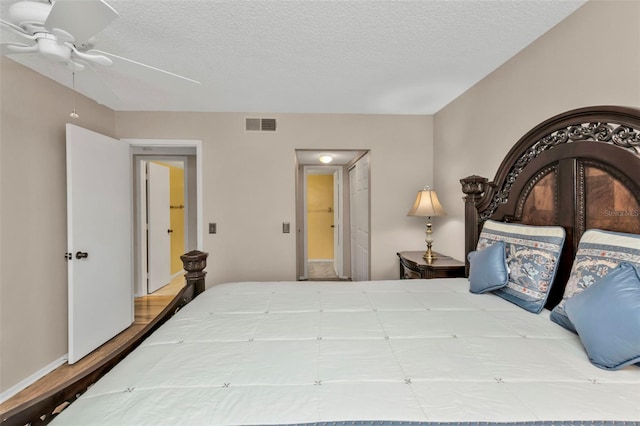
(324, 170)
(170, 143)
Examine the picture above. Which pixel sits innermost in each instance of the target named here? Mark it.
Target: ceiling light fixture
(325, 158)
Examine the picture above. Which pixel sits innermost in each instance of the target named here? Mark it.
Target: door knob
(81, 255)
(169, 231)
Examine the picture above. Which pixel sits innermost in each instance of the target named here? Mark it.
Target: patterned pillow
(599, 252)
(532, 254)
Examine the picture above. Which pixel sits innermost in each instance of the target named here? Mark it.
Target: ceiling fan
(64, 31)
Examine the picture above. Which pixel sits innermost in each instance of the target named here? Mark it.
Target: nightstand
(414, 266)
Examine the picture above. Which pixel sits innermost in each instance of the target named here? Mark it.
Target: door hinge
(68, 256)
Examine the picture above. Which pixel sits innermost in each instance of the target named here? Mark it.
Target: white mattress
(409, 350)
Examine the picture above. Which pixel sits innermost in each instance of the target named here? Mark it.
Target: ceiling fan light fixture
(325, 158)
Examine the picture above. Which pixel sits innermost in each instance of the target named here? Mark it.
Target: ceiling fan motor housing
(50, 48)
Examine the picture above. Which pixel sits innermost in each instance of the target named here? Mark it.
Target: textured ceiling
(395, 57)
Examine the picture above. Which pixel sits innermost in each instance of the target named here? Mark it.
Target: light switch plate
(286, 227)
(212, 228)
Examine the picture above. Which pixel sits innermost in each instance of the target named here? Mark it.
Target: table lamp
(427, 204)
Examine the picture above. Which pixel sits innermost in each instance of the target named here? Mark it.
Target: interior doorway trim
(182, 143)
(169, 143)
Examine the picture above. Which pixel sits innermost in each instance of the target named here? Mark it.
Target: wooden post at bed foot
(194, 263)
(473, 188)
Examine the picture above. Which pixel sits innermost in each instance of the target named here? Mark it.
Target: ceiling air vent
(260, 124)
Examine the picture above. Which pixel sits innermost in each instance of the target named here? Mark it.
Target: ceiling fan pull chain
(74, 114)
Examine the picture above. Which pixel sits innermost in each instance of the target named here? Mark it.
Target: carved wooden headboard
(579, 169)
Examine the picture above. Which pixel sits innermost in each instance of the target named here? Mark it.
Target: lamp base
(429, 255)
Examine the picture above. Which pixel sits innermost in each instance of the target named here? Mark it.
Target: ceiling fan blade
(63, 36)
(82, 19)
(93, 58)
(13, 48)
(9, 48)
(16, 30)
(144, 72)
(91, 84)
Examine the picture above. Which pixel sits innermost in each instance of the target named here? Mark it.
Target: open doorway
(162, 212)
(323, 214)
(323, 222)
(166, 220)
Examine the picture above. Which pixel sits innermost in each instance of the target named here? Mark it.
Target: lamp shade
(427, 204)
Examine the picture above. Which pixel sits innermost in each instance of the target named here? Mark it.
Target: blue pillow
(606, 316)
(488, 268)
(599, 253)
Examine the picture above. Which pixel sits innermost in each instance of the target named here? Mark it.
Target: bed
(427, 351)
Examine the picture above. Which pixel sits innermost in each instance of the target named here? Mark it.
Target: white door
(359, 203)
(99, 229)
(158, 226)
(337, 223)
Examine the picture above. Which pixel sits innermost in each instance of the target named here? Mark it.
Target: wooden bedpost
(194, 263)
(473, 187)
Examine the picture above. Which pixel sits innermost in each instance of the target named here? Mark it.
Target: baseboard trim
(20, 386)
(320, 260)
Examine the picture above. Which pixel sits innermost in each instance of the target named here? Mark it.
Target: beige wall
(591, 58)
(33, 272)
(249, 182)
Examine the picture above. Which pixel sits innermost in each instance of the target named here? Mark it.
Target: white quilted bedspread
(410, 350)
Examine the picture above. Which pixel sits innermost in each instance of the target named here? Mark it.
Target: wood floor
(146, 309)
